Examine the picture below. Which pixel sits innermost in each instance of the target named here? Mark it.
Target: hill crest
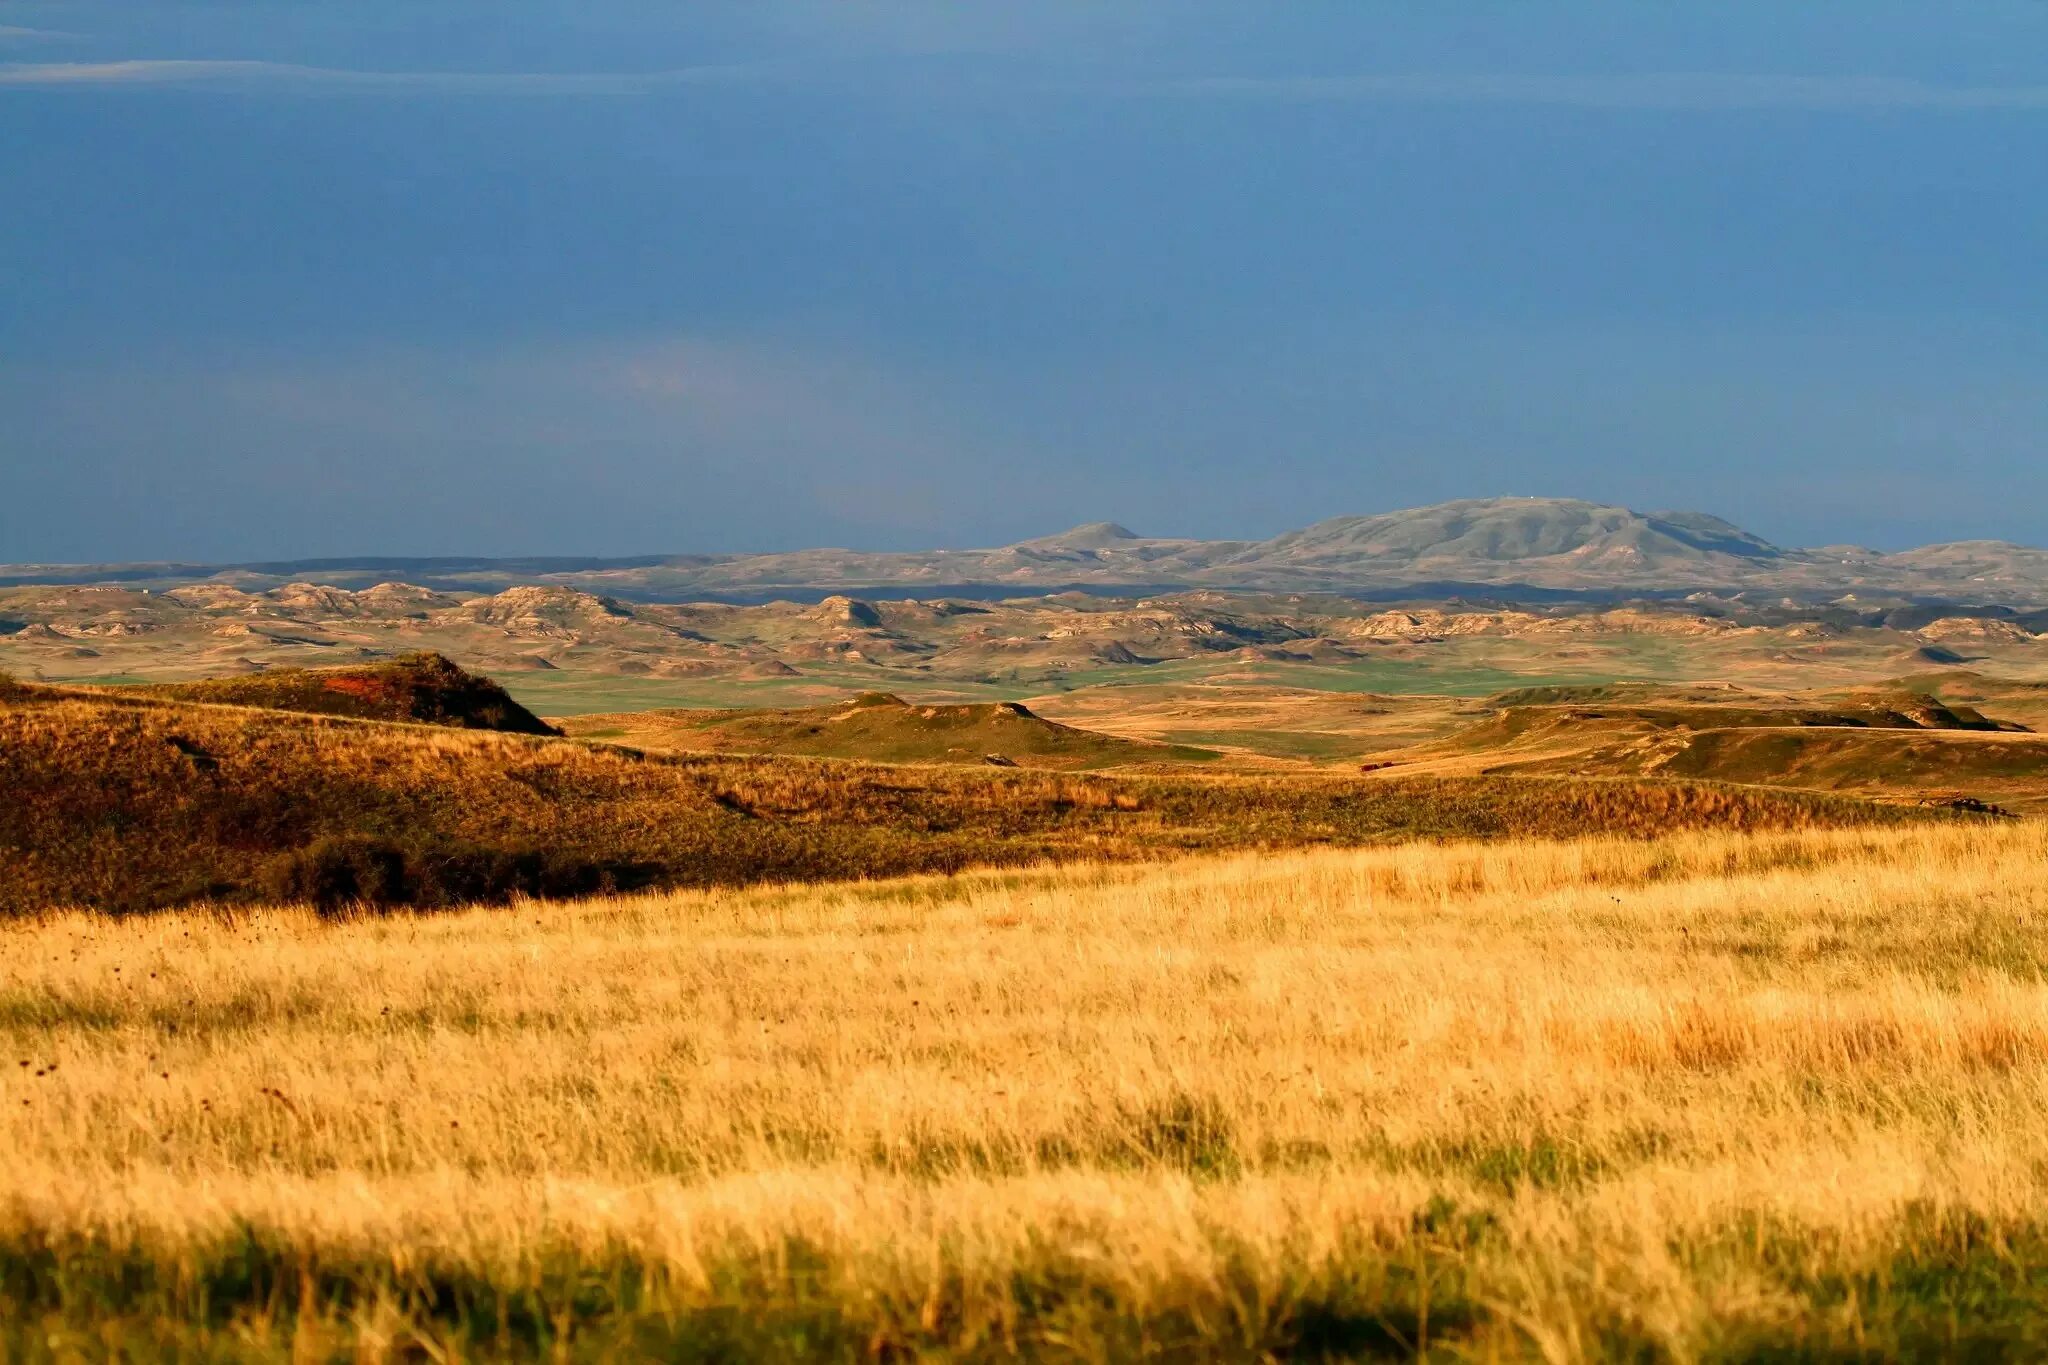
(423, 688)
(883, 727)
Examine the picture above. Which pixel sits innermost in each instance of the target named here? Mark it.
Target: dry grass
(1711, 1096)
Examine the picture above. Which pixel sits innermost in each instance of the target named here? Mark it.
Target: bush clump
(339, 870)
(342, 872)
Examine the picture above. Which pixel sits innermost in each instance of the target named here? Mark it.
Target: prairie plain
(1706, 1097)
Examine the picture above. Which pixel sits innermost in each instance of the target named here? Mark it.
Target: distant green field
(572, 693)
(1455, 668)
(1402, 678)
(1455, 671)
(565, 692)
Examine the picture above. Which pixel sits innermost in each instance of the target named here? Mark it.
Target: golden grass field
(1706, 1097)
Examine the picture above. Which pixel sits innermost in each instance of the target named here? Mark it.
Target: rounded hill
(425, 687)
(1506, 530)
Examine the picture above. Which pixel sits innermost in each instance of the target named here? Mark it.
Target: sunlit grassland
(1705, 1097)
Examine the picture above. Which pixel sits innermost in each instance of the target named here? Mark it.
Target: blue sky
(283, 279)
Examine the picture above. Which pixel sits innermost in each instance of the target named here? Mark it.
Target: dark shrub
(359, 870)
(339, 871)
(455, 874)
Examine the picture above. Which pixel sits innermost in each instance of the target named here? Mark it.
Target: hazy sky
(283, 279)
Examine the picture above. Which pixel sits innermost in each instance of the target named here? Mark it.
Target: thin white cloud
(15, 33)
(1677, 91)
(275, 75)
(1684, 92)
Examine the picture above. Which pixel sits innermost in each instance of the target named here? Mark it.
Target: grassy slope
(1291, 725)
(2012, 698)
(1708, 1098)
(127, 803)
(884, 728)
(425, 687)
(1886, 742)
(1845, 760)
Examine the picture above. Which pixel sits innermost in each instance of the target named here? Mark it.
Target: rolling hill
(426, 687)
(884, 728)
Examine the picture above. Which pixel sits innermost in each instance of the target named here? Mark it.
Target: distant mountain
(1096, 535)
(1499, 546)
(1494, 531)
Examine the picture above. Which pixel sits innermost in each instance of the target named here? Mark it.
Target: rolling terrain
(561, 651)
(1889, 742)
(123, 801)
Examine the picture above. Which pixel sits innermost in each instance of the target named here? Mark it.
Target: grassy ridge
(1872, 749)
(124, 803)
(884, 728)
(1701, 1098)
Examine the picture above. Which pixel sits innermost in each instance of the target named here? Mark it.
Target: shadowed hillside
(127, 803)
(425, 687)
(884, 728)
